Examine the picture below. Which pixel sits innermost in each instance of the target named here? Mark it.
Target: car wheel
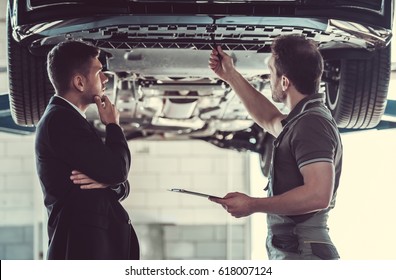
(265, 155)
(30, 88)
(356, 89)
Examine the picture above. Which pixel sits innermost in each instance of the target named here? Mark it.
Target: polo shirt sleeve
(313, 140)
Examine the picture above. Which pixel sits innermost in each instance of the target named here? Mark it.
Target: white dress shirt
(74, 106)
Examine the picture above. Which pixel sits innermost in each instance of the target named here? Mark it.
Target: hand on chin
(101, 96)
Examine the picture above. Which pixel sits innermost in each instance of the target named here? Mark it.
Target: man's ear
(78, 83)
(285, 83)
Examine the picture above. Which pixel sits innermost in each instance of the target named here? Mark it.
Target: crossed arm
(108, 114)
(87, 183)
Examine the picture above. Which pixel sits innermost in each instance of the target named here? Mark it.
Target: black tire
(266, 154)
(29, 85)
(357, 89)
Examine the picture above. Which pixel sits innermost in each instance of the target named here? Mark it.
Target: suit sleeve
(122, 190)
(77, 145)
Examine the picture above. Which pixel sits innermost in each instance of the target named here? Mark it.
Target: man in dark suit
(83, 178)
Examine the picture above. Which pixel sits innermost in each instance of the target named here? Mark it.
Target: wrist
(233, 78)
(254, 205)
(110, 122)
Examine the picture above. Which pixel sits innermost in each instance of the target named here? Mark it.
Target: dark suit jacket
(83, 224)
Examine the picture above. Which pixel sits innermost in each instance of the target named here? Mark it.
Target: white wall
(194, 165)
(362, 224)
(17, 177)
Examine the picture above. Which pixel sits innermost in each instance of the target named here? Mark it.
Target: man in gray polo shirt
(307, 158)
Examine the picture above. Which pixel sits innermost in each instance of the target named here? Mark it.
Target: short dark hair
(299, 59)
(67, 58)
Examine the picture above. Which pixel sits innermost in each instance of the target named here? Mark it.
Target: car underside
(156, 54)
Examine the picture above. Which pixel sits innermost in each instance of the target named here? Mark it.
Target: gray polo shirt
(306, 138)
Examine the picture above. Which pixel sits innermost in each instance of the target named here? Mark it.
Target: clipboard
(193, 193)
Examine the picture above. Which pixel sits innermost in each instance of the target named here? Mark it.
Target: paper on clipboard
(193, 193)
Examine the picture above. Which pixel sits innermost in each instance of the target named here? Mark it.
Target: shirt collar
(302, 106)
(74, 106)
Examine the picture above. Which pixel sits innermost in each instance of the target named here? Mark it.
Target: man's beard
(278, 95)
